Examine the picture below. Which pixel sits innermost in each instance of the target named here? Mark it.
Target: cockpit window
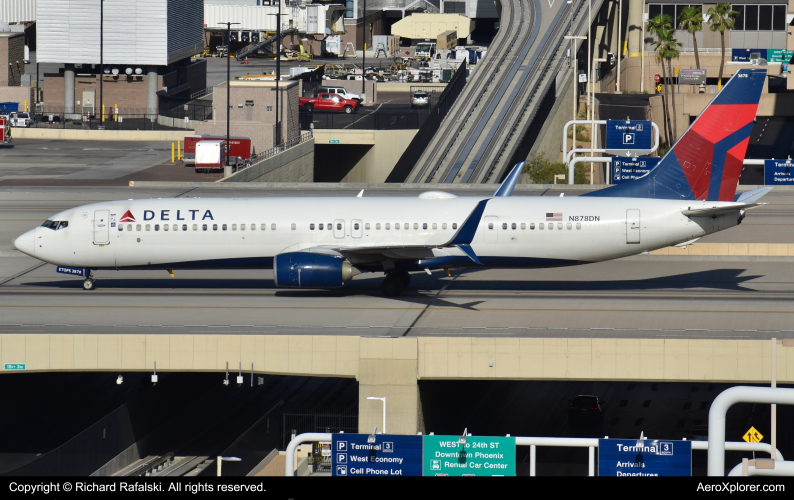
(55, 224)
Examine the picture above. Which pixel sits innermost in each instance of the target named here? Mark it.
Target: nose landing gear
(395, 282)
(89, 283)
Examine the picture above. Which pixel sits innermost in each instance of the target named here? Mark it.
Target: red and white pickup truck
(327, 102)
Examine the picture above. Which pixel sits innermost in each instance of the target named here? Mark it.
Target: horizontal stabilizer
(753, 195)
(715, 211)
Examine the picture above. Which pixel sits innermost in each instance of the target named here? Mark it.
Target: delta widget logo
(127, 217)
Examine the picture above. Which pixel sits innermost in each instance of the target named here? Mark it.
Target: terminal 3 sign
(646, 457)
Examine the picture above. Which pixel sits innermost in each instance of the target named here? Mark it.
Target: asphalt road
(643, 296)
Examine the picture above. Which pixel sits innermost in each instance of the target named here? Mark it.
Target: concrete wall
(549, 141)
(18, 95)
(377, 163)
(12, 52)
(390, 367)
(293, 165)
(101, 135)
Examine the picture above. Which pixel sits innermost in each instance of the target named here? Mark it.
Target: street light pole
(228, 100)
(364, 56)
(278, 70)
(101, 57)
(384, 411)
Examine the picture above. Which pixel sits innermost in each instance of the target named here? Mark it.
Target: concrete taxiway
(646, 296)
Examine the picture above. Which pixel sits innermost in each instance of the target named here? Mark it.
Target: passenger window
(329, 226)
(137, 227)
(387, 226)
(148, 227)
(490, 225)
(396, 225)
(366, 226)
(424, 225)
(523, 225)
(273, 227)
(551, 226)
(157, 227)
(203, 227)
(444, 225)
(242, 227)
(184, 227)
(224, 227)
(435, 225)
(234, 227)
(311, 227)
(253, 227)
(559, 225)
(416, 225)
(264, 226)
(293, 226)
(569, 225)
(338, 227)
(129, 227)
(121, 227)
(214, 227)
(195, 227)
(454, 225)
(165, 227)
(377, 226)
(513, 226)
(320, 226)
(355, 226)
(540, 226)
(578, 225)
(407, 226)
(504, 225)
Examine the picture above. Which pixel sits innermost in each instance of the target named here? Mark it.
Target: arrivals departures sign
(649, 457)
(389, 455)
(480, 456)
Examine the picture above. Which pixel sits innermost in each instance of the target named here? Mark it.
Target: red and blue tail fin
(705, 163)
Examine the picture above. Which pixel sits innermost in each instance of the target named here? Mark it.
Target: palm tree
(691, 20)
(659, 26)
(668, 50)
(722, 19)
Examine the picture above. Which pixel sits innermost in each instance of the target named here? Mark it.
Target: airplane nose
(25, 243)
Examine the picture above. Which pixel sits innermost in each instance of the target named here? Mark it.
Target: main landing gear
(395, 282)
(89, 283)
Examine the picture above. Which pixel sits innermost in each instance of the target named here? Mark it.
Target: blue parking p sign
(647, 457)
(628, 137)
(389, 455)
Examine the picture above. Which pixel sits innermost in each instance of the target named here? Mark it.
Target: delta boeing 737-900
(323, 242)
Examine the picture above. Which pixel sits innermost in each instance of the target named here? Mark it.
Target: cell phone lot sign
(390, 455)
(648, 457)
(479, 456)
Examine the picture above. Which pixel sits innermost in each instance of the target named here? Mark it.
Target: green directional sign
(333, 141)
(480, 456)
(780, 55)
(15, 366)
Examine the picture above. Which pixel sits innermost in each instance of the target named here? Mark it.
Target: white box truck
(210, 155)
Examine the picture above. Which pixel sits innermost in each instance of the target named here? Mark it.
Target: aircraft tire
(391, 286)
(404, 277)
(89, 284)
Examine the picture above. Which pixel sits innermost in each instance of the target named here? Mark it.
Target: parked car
(699, 432)
(327, 102)
(21, 119)
(420, 99)
(586, 408)
(340, 91)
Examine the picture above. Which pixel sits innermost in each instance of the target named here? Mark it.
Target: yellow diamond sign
(753, 436)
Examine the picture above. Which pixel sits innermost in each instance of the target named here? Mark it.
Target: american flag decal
(554, 217)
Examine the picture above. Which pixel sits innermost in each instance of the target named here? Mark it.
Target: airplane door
(632, 226)
(491, 229)
(339, 228)
(357, 228)
(101, 227)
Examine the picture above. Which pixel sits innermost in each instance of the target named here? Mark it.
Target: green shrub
(542, 171)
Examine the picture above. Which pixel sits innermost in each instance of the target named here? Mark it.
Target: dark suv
(586, 408)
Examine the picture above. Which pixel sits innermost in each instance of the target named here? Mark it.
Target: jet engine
(312, 270)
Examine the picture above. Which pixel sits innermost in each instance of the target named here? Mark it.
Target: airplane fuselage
(514, 232)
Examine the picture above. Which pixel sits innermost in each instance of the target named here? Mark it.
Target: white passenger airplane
(323, 242)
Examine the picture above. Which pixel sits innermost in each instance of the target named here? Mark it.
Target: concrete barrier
(295, 164)
(406, 87)
(730, 249)
(100, 135)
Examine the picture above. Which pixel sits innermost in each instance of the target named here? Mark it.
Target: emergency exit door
(101, 227)
(632, 226)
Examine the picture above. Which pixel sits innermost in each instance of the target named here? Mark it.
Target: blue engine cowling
(311, 270)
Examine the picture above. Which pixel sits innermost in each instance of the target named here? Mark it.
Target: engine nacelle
(311, 270)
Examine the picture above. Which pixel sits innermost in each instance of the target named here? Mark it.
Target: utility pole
(228, 90)
(101, 59)
(278, 71)
(364, 56)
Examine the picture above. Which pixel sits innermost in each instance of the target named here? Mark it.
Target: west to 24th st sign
(479, 456)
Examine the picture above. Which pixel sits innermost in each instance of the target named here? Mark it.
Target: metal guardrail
(201, 93)
(264, 155)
